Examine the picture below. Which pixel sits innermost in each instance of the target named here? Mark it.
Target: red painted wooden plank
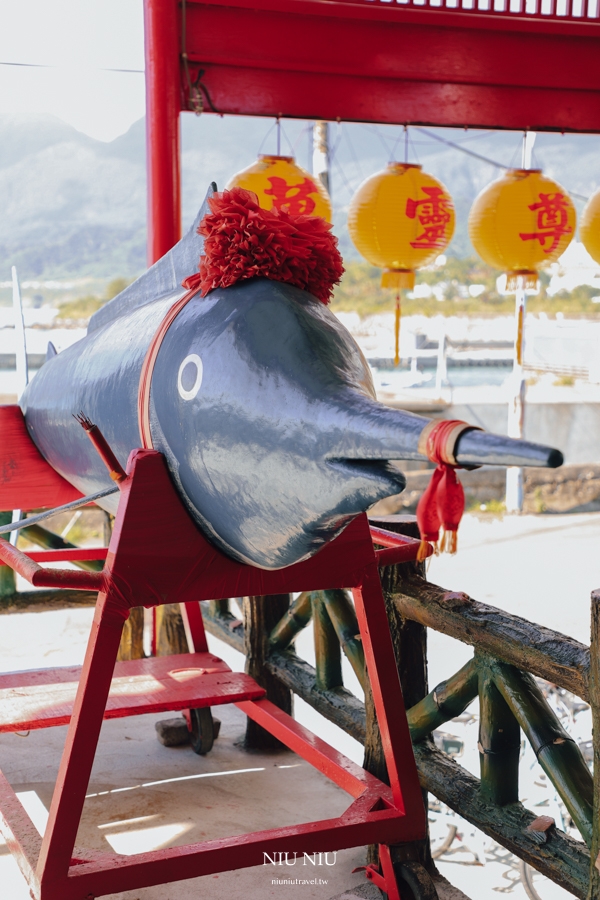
(400, 50)
(425, 14)
(399, 548)
(19, 832)
(322, 756)
(68, 554)
(376, 62)
(54, 578)
(27, 481)
(178, 863)
(391, 556)
(388, 538)
(44, 698)
(261, 92)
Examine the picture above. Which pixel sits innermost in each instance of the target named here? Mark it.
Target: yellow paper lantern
(589, 226)
(280, 183)
(521, 222)
(401, 219)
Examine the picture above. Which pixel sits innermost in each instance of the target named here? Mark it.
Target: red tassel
(450, 499)
(443, 503)
(428, 517)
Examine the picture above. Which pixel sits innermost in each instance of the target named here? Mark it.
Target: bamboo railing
(508, 651)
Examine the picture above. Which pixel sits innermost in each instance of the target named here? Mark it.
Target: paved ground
(145, 796)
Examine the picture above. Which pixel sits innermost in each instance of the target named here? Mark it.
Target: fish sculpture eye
(189, 377)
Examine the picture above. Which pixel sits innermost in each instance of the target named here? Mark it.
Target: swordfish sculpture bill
(260, 400)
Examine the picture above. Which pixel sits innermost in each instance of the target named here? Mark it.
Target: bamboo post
(343, 618)
(594, 891)
(295, 619)
(499, 743)
(328, 657)
(8, 584)
(446, 701)
(218, 608)
(410, 646)
(556, 751)
(132, 639)
(170, 632)
(261, 614)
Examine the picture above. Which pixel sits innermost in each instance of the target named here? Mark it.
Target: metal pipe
(74, 504)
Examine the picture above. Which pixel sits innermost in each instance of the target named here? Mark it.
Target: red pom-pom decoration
(242, 240)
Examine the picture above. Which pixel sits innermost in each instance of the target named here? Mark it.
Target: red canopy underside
(377, 61)
(523, 64)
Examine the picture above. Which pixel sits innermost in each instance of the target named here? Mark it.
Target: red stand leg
(82, 740)
(387, 695)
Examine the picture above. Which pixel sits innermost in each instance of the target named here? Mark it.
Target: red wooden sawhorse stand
(151, 562)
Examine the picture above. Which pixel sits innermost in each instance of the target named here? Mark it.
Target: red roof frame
(520, 64)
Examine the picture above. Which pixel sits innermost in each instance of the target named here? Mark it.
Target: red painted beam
(27, 481)
(163, 103)
(118, 873)
(322, 756)
(258, 92)
(19, 832)
(404, 68)
(422, 11)
(45, 698)
(67, 554)
(52, 578)
(400, 50)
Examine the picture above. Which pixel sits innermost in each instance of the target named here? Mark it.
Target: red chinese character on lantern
(552, 218)
(293, 198)
(434, 213)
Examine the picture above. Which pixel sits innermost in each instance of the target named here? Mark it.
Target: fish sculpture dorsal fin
(164, 277)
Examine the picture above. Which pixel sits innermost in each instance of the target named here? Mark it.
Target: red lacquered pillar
(162, 126)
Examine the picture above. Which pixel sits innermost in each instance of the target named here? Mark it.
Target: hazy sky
(77, 39)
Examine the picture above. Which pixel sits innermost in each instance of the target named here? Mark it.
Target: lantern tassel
(397, 330)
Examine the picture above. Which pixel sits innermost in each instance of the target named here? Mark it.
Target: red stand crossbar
(151, 563)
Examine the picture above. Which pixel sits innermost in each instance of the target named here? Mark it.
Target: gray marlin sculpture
(260, 400)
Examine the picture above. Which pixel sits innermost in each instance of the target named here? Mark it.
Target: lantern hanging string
(397, 329)
(486, 159)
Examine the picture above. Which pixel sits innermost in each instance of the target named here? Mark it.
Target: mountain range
(73, 206)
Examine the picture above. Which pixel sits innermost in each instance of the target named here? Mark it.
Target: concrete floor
(144, 796)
